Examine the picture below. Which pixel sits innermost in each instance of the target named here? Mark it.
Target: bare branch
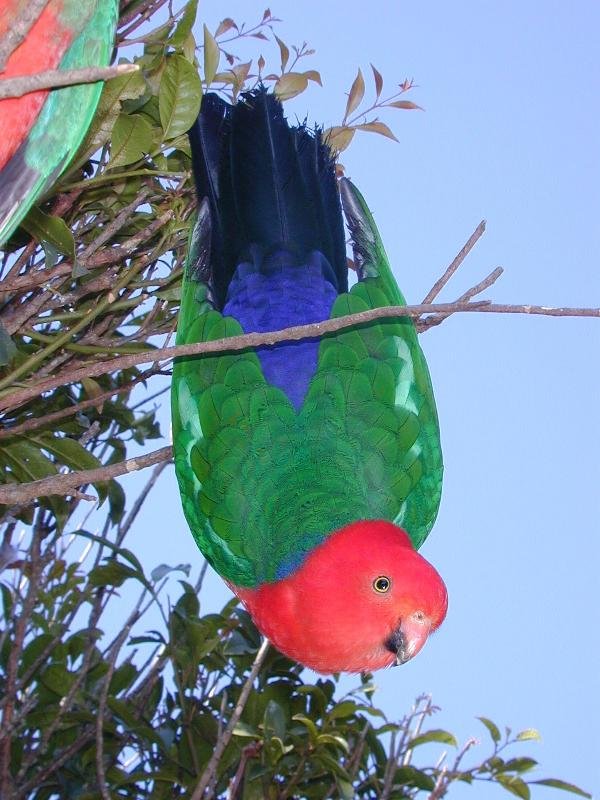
(55, 78)
(295, 333)
(464, 252)
(65, 484)
(436, 319)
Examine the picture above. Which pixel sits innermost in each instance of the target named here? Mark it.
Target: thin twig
(294, 333)
(55, 78)
(139, 502)
(223, 741)
(436, 319)
(464, 252)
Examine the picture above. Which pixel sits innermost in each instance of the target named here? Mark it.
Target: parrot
(310, 471)
(42, 130)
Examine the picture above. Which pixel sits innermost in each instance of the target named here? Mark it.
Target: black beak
(396, 644)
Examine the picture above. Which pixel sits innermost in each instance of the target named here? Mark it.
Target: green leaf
(308, 723)
(492, 728)
(437, 735)
(411, 776)
(274, 721)
(330, 738)
(345, 788)
(344, 709)
(53, 230)
(67, 451)
(116, 92)
(179, 96)
(514, 785)
(555, 783)
(131, 140)
(246, 731)
(164, 569)
(116, 500)
(185, 24)
(237, 645)
(528, 733)
(8, 348)
(212, 56)
(114, 573)
(523, 764)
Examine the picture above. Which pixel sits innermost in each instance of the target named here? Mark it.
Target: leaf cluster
(92, 699)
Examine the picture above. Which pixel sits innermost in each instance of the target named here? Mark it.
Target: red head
(362, 600)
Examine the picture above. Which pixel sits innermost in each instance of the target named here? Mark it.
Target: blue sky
(510, 133)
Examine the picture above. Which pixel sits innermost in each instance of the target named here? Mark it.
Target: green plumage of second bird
(261, 484)
(67, 112)
(76, 105)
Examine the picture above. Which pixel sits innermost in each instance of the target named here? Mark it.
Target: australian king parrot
(310, 471)
(41, 131)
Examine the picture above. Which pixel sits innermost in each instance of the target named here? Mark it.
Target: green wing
(65, 116)
(262, 485)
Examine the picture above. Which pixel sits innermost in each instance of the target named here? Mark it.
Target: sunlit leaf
(437, 735)
(528, 733)
(211, 57)
(290, 85)
(339, 137)
(284, 51)
(357, 92)
(377, 127)
(313, 75)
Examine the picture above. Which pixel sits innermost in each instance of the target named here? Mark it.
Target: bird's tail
(269, 185)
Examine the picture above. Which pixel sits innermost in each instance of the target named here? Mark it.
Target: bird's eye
(382, 584)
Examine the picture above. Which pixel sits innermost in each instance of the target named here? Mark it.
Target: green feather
(261, 484)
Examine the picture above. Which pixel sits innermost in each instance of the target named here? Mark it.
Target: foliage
(141, 711)
(94, 272)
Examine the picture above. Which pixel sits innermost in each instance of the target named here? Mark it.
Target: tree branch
(295, 333)
(55, 78)
(464, 252)
(13, 494)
